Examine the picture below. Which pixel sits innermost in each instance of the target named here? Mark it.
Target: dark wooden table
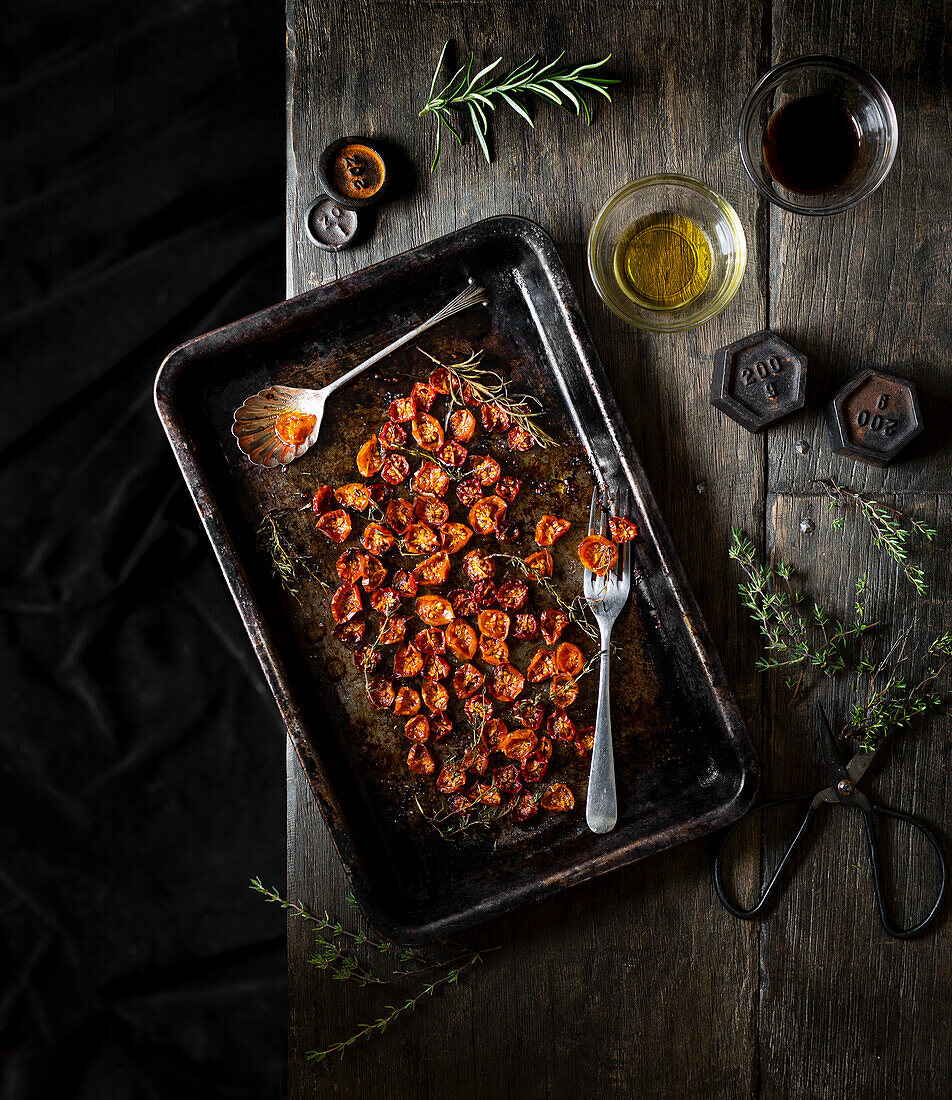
(640, 985)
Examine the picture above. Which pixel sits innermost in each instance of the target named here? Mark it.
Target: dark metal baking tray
(685, 765)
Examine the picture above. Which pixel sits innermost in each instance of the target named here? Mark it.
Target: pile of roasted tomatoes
(436, 652)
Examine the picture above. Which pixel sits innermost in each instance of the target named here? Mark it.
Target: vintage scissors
(843, 790)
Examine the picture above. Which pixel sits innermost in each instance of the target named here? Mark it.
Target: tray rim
(251, 328)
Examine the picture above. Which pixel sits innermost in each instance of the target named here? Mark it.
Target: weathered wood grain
(639, 984)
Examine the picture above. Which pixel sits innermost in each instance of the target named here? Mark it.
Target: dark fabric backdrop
(142, 766)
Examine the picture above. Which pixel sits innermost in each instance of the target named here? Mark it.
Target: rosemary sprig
(492, 389)
(887, 525)
(336, 953)
(290, 566)
(476, 93)
(781, 615)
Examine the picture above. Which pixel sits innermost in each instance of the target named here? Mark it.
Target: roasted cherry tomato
(517, 744)
(407, 702)
(484, 593)
(294, 428)
(434, 569)
(395, 470)
(427, 432)
(584, 740)
(494, 418)
(439, 380)
(468, 491)
(419, 760)
(380, 493)
(351, 565)
(394, 630)
(407, 662)
(534, 767)
(353, 495)
(544, 748)
(557, 797)
(434, 610)
(370, 458)
(464, 602)
(431, 479)
(563, 691)
(523, 807)
(375, 573)
(452, 454)
(540, 563)
(478, 566)
(420, 539)
(494, 624)
(486, 514)
(484, 468)
(345, 603)
(399, 516)
(550, 529)
(569, 659)
(529, 713)
(597, 554)
(493, 651)
(350, 633)
(487, 794)
(440, 726)
(451, 779)
(430, 641)
(525, 626)
(521, 439)
(385, 601)
(512, 595)
(367, 658)
(402, 410)
(461, 639)
(493, 729)
(377, 538)
(391, 436)
(479, 710)
(462, 425)
(336, 525)
(506, 778)
(467, 681)
(380, 693)
(435, 696)
(506, 532)
(560, 726)
(423, 396)
(417, 728)
(508, 488)
(405, 583)
(553, 621)
(476, 760)
(541, 667)
(323, 500)
(507, 684)
(437, 667)
(454, 536)
(622, 529)
(431, 510)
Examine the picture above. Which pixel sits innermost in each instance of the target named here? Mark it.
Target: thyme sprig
(783, 614)
(476, 93)
(289, 565)
(336, 952)
(887, 525)
(890, 703)
(492, 389)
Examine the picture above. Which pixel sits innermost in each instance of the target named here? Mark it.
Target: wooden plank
(614, 986)
(841, 1004)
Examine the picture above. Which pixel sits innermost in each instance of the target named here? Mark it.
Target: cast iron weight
(873, 417)
(759, 380)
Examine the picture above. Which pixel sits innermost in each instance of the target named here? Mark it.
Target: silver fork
(606, 596)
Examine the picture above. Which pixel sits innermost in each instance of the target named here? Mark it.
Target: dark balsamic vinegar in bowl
(811, 145)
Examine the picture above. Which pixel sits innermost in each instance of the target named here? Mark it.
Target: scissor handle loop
(749, 914)
(890, 928)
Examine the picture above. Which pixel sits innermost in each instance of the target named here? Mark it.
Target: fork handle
(601, 807)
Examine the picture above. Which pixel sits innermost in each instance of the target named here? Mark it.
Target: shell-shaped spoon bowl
(280, 423)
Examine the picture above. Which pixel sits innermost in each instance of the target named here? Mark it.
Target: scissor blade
(828, 745)
(856, 768)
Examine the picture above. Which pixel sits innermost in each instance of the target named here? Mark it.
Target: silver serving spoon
(256, 422)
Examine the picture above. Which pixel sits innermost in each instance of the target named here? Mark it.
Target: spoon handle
(471, 296)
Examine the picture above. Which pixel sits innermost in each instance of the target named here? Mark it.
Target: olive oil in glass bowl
(666, 253)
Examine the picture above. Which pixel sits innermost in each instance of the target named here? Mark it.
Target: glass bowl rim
(863, 76)
(738, 237)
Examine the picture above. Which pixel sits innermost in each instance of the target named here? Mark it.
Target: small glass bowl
(678, 195)
(865, 99)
